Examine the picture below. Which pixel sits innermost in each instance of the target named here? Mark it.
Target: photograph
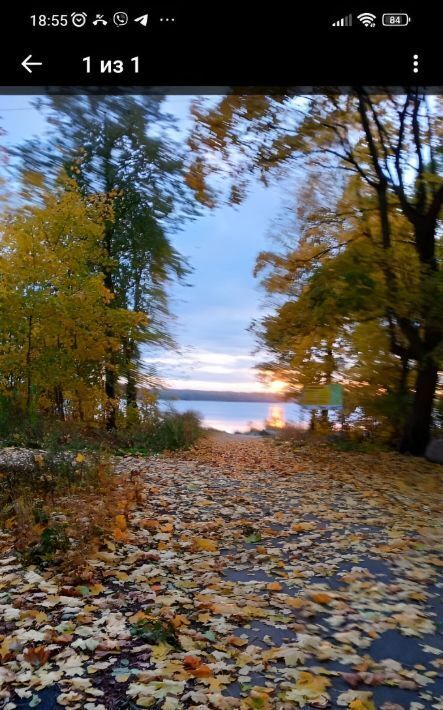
(221, 379)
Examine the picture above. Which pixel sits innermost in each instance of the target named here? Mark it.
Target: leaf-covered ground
(250, 576)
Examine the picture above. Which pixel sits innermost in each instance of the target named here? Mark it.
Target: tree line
(86, 257)
(354, 284)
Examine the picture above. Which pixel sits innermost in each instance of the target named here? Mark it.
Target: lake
(241, 416)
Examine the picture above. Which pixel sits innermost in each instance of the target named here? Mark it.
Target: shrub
(16, 427)
(178, 431)
(59, 513)
(159, 431)
(296, 435)
(144, 430)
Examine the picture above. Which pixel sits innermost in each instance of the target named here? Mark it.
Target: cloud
(206, 370)
(215, 385)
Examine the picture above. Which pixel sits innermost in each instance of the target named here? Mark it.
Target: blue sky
(212, 316)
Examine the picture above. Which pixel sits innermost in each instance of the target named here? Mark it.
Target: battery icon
(395, 19)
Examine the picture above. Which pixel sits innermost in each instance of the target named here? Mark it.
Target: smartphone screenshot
(221, 356)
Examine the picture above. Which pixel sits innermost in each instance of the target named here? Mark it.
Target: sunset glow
(277, 386)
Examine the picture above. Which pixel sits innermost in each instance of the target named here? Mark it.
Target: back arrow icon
(28, 64)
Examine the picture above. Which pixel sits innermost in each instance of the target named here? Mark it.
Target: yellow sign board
(322, 397)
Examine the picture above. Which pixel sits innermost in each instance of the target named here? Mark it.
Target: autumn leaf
(303, 527)
(321, 598)
(191, 662)
(204, 544)
(363, 698)
(236, 641)
(139, 616)
(258, 700)
(295, 602)
(119, 535)
(202, 671)
(198, 628)
(161, 650)
(274, 587)
(121, 523)
(179, 620)
(37, 656)
(149, 524)
(359, 704)
(308, 687)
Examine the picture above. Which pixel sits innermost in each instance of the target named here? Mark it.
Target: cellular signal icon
(343, 22)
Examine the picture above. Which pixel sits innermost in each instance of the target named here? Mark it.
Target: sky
(216, 351)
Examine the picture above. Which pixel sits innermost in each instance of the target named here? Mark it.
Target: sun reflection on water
(276, 418)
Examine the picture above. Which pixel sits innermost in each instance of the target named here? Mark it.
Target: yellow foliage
(120, 522)
(204, 544)
(56, 327)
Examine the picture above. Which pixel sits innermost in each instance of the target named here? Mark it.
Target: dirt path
(251, 577)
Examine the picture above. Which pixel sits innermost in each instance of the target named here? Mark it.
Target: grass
(146, 432)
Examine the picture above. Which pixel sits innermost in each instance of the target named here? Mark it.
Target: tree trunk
(80, 410)
(111, 408)
(108, 174)
(28, 369)
(131, 381)
(403, 394)
(404, 374)
(110, 372)
(312, 421)
(324, 419)
(418, 426)
(59, 402)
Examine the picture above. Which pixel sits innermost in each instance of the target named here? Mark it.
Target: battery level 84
(396, 19)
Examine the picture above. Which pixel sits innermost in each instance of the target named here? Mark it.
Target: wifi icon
(367, 19)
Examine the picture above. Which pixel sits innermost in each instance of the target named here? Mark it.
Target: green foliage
(155, 630)
(178, 431)
(143, 430)
(16, 429)
(121, 146)
(52, 540)
(86, 261)
(158, 431)
(358, 446)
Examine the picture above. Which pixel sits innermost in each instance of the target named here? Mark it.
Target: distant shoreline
(215, 396)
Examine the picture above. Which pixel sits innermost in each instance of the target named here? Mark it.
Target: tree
(121, 146)
(55, 321)
(388, 142)
(331, 322)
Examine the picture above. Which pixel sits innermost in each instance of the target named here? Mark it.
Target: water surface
(242, 416)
